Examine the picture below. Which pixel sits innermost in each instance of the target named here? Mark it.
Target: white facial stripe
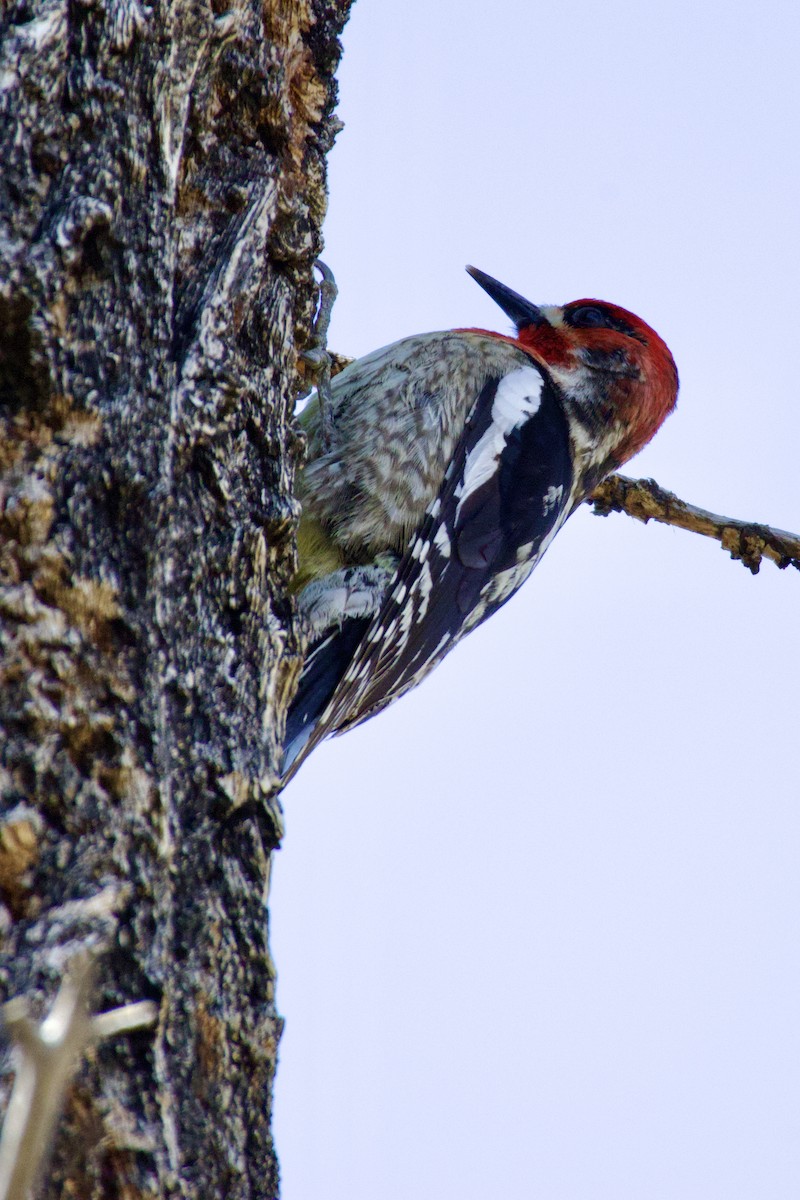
(518, 397)
(553, 315)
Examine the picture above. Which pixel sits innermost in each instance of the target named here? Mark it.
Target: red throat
(549, 343)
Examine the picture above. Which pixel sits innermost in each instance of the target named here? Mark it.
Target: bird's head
(614, 370)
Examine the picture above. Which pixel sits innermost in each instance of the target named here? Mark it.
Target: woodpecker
(444, 469)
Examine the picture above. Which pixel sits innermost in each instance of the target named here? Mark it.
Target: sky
(536, 926)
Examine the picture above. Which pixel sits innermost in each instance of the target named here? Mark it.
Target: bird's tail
(324, 667)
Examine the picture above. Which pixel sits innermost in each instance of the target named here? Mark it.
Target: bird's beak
(520, 310)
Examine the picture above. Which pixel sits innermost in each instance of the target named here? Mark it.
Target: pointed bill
(520, 310)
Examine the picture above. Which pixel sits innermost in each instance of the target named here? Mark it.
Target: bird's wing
(397, 417)
(505, 494)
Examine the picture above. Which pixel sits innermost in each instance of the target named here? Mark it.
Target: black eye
(589, 317)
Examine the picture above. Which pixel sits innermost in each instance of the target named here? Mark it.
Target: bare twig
(47, 1056)
(140, 1014)
(744, 540)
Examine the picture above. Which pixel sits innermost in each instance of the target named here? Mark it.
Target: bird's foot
(316, 358)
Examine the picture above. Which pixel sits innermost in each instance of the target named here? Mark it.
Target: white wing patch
(442, 541)
(424, 585)
(552, 498)
(518, 397)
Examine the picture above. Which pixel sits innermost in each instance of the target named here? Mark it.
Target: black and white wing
(506, 492)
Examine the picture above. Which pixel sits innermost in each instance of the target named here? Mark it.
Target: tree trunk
(161, 197)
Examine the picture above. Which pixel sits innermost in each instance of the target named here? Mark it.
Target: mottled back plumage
(388, 460)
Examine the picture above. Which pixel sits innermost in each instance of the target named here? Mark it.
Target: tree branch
(746, 541)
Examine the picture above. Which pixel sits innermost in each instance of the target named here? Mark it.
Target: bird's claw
(316, 357)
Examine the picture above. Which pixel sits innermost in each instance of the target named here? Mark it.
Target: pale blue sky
(536, 926)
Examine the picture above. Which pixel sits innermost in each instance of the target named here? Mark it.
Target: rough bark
(161, 197)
